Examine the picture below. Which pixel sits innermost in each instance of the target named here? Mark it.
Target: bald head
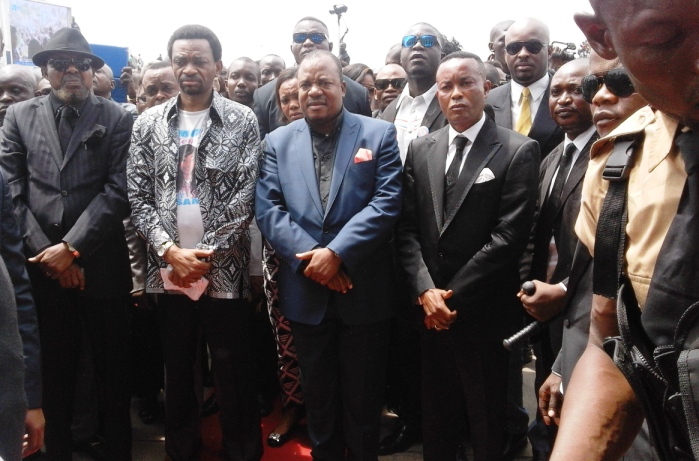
(527, 67)
(568, 108)
(387, 87)
(17, 84)
(497, 42)
(103, 82)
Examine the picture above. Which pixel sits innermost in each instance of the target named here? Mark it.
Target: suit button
(566, 323)
(325, 230)
(56, 226)
(441, 255)
(64, 193)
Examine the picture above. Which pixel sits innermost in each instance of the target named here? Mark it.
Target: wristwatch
(162, 249)
(70, 248)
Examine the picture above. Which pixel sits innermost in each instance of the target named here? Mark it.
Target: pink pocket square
(363, 155)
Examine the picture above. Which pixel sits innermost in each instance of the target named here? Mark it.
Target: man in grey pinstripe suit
(64, 157)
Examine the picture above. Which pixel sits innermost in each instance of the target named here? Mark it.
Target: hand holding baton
(533, 328)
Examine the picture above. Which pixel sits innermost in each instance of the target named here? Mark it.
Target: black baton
(533, 328)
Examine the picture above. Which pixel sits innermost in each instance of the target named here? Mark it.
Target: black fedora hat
(67, 40)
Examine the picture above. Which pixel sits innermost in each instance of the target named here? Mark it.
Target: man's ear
(597, 34)
(219, 67)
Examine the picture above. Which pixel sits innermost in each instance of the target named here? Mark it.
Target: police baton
(533, 328)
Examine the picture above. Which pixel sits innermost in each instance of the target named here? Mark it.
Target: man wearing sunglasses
(389, 83)
(521, 104)
(656, 44)
(309, 34)
(64, 157)
(416, 111)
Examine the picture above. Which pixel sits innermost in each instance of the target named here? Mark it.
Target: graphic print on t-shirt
(186, 181)
(189, 221)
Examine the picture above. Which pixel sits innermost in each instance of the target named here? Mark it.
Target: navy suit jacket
(363, 205)
(544, 130)
(79, 197)
(473, 251)
(12, 252)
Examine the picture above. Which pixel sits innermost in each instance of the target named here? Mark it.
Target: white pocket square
(485, 176)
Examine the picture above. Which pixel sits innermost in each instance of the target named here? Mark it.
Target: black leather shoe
(276, 439)
(403, 437)
(514, 443)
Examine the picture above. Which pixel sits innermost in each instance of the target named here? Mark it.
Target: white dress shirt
(537, 90)
(409, 117)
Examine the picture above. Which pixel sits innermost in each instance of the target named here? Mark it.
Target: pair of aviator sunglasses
(316, 37)
(617, 82)
(61, 65)
(397, 83)
(532, 46)
(428, 41)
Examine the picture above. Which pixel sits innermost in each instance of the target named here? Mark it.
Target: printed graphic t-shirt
(189, 222)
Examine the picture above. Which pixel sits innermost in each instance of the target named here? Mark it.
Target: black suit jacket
(79, 197)
(269, 115)
(434, 119)
(475, 250)
(544, 130)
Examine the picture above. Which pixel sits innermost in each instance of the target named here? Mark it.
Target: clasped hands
(188, 265)
(437, 314)
(58, 263)
(324, 268)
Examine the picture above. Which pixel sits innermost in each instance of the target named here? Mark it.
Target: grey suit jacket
(79, 197)
(544, 130)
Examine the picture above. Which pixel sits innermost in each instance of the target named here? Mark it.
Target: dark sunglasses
(428, 41)
(617, 82)
(82, 64)
(532, 46)
(316, 37)
(397, 83)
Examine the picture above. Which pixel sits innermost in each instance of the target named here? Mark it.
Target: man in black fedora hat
(64, 157)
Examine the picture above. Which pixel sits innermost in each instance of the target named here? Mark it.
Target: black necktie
(674, 284)
(564, 165)
(65, 129)
(453, 175)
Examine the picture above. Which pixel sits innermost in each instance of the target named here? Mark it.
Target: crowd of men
(403, 211)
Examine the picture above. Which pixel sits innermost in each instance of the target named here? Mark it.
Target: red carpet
(296, 449)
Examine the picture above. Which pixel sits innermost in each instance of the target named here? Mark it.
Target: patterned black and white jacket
(226, 171)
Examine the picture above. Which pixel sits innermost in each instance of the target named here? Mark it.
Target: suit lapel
(436, 166)
(303, 149)
(433, 111)
(548, 175)
(344, 153)
(500, 102)
(48, 123)
(483, 149)
(91, 110)
(543, 125)
(389, 113)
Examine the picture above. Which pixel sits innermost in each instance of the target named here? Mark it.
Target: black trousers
(226, 326)
(344, 372)
(63, 316)
(460, 378)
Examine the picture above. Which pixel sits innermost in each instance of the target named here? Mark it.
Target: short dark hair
(155, 65)
(317, 54)
(194, 32)
(312, 19)
(466, 55)
(357, 71)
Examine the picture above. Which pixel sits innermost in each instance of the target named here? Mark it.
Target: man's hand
(73, 277)
(341, 282)
(551, 400)
(323, 265)
(437, 314)
(34, 424)
(545, 303)
(126, 80)
(53, 260)
(187, 265)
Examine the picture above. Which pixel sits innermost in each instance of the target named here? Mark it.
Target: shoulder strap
(610, 238)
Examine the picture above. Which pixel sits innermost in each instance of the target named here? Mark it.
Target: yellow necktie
(524, 122)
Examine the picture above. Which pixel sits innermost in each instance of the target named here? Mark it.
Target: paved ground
(148, 439)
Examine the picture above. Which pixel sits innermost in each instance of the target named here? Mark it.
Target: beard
(73, 97)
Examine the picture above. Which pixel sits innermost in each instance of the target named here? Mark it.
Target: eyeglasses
(397, 83)
(82, 64)
(617, 82)
(532, 46)
(428, 41)
(316, 37)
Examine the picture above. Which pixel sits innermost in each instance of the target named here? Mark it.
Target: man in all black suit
(309, 34)
(561, 180)
(527, 56)
(470, 195)
(64, 158)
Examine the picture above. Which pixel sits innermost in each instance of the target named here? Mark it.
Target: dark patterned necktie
(453, 175)
(65, 129)
(564, 165)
